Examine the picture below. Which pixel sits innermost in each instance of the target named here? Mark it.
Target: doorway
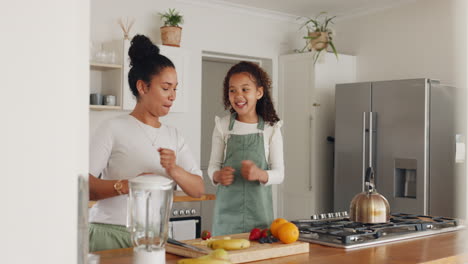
(214, 68)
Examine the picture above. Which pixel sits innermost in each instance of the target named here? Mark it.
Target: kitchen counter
(442, 248)
(179, 196)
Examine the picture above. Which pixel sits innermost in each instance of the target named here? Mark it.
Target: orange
(276, 224)
(288, 233)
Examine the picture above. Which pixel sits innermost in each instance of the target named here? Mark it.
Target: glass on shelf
(105, 56)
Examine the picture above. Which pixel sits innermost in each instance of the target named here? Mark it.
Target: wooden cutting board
(256, 251)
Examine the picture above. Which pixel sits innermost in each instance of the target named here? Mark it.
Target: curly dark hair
(264, 105)
(145, 62)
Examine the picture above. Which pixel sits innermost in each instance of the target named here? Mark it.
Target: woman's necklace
(153, 141)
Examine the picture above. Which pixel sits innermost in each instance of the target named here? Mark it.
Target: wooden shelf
(179, 196)
(104, 107)
(104, 66)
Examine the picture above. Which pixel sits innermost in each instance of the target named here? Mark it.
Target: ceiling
(310, 8)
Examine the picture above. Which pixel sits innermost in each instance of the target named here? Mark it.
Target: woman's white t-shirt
(122, 148)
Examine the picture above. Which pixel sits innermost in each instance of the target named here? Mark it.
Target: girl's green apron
(243, 205)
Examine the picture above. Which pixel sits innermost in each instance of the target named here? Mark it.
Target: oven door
(185, 228)
(185, 222)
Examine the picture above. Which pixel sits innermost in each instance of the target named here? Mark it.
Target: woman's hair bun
(142, 50)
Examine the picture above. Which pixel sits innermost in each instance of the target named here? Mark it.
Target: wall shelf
(106, 78)
(112, 79)
(104, 66)
(104, 107)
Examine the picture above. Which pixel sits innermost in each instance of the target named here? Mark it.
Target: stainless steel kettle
(369, 206)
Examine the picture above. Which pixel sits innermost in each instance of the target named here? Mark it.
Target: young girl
(247, 152)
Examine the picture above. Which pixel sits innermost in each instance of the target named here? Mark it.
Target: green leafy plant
(321, 23)
(172, 18)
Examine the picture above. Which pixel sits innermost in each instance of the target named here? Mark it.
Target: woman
(136, 144)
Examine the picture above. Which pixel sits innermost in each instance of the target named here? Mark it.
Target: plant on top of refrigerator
(319, 34)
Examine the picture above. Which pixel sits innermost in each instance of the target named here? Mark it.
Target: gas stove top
(336, 230)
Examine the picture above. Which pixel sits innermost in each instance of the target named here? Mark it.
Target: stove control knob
(175, 213)
(187, 212)
(315, 217)
(338, 214)
(193, 211)
(330, 215)
(323, 216)
(345, 213)
(181, 212)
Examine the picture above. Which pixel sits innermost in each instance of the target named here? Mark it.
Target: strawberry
(265, 233)
(205, 234)
(255, 234)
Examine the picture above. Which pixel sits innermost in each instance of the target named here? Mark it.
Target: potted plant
(319, 34)
(171, 31)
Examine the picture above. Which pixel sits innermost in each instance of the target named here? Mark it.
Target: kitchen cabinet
(112, 78)
(307, 92)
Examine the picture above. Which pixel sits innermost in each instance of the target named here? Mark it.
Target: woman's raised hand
(168, 159)
(225, 176)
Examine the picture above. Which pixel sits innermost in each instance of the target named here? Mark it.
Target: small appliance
(149, 208)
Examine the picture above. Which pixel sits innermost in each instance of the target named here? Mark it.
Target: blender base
(142, 256)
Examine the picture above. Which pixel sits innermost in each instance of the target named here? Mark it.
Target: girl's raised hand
(249, 170)
(225, 176)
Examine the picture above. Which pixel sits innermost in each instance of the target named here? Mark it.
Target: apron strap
(261, 123)
(232, 120)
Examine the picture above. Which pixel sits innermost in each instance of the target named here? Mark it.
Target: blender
(149, 205)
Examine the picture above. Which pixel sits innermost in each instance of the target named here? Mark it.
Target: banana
(203, 261)
(205, 257)
(230, 244)
(218, 256)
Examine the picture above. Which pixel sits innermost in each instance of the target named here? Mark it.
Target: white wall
(44, 130)
(206, 28)
(426, 38)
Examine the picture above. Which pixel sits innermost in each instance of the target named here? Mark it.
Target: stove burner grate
(343, 231)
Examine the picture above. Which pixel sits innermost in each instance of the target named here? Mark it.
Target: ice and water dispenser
(405, 178)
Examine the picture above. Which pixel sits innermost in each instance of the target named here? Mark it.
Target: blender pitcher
(149, 207)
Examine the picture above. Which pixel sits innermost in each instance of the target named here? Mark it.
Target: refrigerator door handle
(311, 118)
(372, 139)
(371, 132)
(364, 115)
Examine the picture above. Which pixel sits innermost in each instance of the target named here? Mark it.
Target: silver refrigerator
(404, 129)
